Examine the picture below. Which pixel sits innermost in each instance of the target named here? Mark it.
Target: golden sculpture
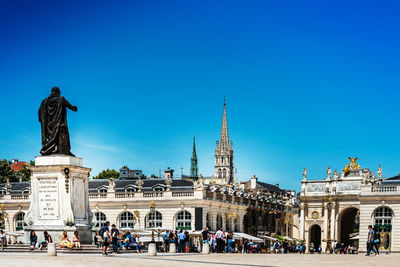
(352, 165)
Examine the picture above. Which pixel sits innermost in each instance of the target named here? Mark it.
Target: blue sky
(308, 83)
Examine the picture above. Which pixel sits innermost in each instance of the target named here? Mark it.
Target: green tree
(105, 174)
(7, 172)
(24, 174)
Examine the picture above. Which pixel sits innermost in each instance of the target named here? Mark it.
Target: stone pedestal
(172, 248)
(51, 249)
(205, 249)
(152, 249)
(59, 198)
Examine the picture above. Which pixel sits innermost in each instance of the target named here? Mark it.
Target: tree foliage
(7, 172)
(105, 174)
(24, 174)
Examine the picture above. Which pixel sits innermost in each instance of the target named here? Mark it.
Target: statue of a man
(305, 174)
(53, 119)
(328, 173)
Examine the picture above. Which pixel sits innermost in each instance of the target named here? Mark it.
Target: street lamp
(152, 214)
(330, 206)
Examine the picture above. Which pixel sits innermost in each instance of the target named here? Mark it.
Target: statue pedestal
(59, 198)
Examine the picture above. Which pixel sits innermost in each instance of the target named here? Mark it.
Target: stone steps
(91, 249)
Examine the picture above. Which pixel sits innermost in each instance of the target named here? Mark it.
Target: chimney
(168, 173)
(253, 182)
(277, 185)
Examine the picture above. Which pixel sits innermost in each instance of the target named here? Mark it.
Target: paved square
(293, 260)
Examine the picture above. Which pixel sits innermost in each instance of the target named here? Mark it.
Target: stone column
(302, 222)
(326, 214)
(333, 221)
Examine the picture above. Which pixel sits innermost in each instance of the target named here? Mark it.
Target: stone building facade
(339, 208)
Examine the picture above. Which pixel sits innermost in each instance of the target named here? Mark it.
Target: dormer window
(25, 191)
(130, 190)
(102, 189)
(158, 189)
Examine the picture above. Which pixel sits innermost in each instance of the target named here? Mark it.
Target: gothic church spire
(224, 138)
(193, 162)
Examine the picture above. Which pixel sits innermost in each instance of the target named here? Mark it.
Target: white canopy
(241, 236)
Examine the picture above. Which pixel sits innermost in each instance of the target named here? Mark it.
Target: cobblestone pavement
(190, 260)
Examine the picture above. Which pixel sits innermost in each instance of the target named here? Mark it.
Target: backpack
(377, 237)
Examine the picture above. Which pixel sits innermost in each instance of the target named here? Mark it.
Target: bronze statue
(53, 119)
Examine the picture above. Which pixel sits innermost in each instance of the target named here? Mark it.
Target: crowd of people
(107, 237)
(219, 242)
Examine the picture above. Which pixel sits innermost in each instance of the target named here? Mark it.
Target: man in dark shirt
(370, 241)
(114, 238)
(205, 234)
(106, 237)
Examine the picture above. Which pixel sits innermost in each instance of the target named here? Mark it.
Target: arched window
(219, 221)
(154, 220)
(383, 219)
(126, 220)
(20, 221)
(184, 220)
(383, 225)
(100, 219)
(3, 191)
(208, 220)
(222, 160)
(224, 173)
(219, 173)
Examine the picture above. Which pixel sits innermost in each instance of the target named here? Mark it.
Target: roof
(19, 165)
(148, 184)
(269, 187)
(17, 187)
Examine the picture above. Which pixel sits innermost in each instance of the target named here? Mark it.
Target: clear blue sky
(308, 83)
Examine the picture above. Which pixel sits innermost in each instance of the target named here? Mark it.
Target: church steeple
(224, 153)
(224, 138)
(193, 162)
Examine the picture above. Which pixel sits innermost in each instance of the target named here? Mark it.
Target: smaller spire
(193, 162)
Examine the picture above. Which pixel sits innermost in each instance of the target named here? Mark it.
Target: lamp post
(330, 206)
(152, 213)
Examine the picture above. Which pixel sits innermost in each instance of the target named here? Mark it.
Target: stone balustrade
(380, 190)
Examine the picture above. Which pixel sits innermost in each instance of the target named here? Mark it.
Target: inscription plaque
(48, 198)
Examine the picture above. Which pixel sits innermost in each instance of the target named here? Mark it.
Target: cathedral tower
(224, 153)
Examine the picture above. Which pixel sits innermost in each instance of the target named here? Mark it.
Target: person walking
(370, 241)
(229, 238)
(219, 237)
(114, 238)
(3, 239)
(181, 241)
(105, 232)
(167, 241)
